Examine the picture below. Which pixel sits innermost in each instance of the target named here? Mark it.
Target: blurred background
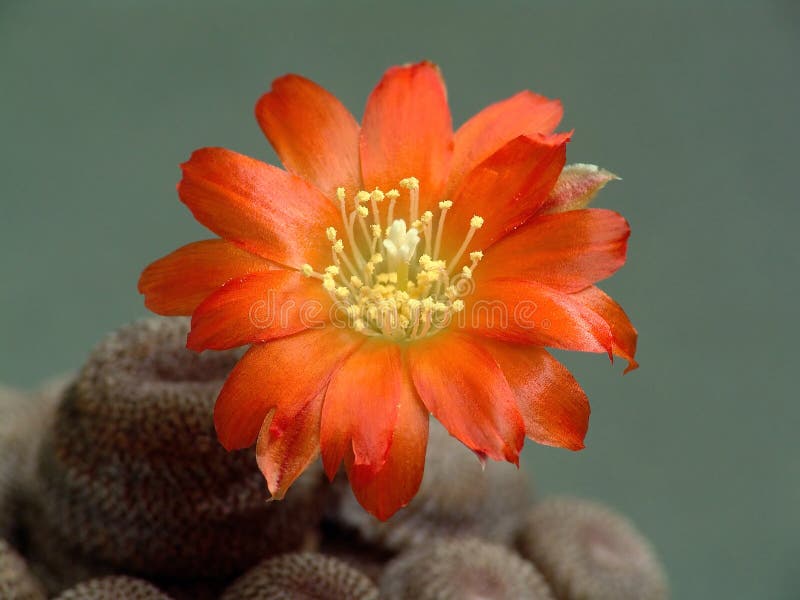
(695, 105)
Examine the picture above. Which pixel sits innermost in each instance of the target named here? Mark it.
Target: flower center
(392, 281)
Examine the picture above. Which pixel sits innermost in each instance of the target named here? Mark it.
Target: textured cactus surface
(114, 588)
(131, 475)
(302, 576)
(589, 552)
(457, 569)
(16, 581)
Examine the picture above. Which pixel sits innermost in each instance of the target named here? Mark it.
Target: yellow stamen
(394, 286)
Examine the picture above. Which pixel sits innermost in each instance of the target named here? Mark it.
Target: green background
(695, 105)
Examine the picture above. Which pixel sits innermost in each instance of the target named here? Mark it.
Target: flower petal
(553, 405)
(625, 334)
(524, 113)
(396, 483)
(568, 251)
(314, 135)
(257, 308)
(461, 384)
(577, 185)
(261, 208)
(407, 132)
(283, 459)
(506, 189)
(360, 408)
(523, 311)
(175, 284)
(284, 375)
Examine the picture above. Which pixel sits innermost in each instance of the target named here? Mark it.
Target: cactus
(589, 552)
(303, 575)
(463, 568)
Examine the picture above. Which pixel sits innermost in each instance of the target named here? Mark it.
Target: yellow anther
(467, 272)
(308, 270)
(476, 256)
(410, 183)
(393, 194)
(358, 325)
(338, 246)
(342, 292)
(476, 222)
(417, 224)
(328, 283)
(376, 231)
(362, 196)
(376, 259)
(445, 204)
(332, 270)
(377, 195)
(427, 217)
(340, 194)
(355, 281)
(330, 233)
(458, 305)
(363, 211)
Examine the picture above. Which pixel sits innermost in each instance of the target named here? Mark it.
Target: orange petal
(461, 384)
(314, 135)
(407, 132)
(257, 308)
(178, 282)
(283, 459)
(568, 251)
(284, 375)
(525, 113)
(264, 209)
(625, 334)
(576, 187)
(553, 405)
(360, 408)
(506, 189)
(522, 311)
(396, 483)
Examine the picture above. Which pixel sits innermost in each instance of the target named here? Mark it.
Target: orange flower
(394, 270)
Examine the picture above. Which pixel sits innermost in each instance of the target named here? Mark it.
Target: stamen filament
(475, 223)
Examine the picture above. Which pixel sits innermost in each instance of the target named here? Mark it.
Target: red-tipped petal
(283, 458)
(525, 113)
(522, 311)
(360, 408)
(461, 384)
(623, 331)
(576, 187)
(263, 209)
(396, 483)
(257, 308)
(407, 132)
(314, 135)
(283, 375)
(568, 251)
(178, 282)
(506, 189)
(553, 405)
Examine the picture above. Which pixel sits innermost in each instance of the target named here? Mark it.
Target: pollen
(387, 275)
